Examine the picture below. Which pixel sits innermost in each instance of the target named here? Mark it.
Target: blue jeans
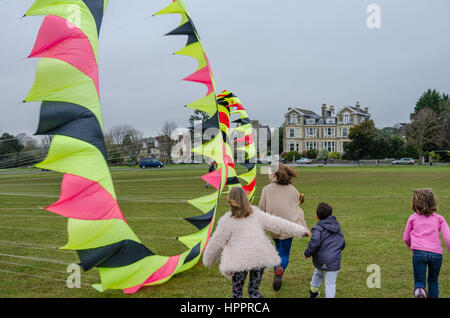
(330, 281)
(421, 260)
(283, 248)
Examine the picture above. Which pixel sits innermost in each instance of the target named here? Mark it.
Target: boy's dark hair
(324, 210)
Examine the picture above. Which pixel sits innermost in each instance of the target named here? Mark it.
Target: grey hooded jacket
(327, 242)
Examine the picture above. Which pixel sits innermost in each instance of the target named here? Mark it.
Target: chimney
(324, 110)
(366, 109)
(357, 106)
(332, 110)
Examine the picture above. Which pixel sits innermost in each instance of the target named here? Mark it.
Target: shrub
(322, 154)
(312, 153)
(291, 154)
(334, 155)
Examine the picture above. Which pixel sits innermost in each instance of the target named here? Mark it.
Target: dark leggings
(253, 285)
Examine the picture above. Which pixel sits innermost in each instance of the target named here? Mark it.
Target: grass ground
(371, 203)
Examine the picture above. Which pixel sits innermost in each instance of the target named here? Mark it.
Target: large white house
(305, 130)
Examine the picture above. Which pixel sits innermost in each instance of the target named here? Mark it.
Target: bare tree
(165, 141)
(45, 141)
(124, 141)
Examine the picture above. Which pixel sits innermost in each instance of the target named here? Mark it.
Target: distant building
(305, 130)
(149, 148)
(260, 132)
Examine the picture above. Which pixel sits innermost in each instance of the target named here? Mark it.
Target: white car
(404, 161)
(304, 161)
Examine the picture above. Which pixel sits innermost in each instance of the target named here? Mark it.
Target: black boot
(277, 280)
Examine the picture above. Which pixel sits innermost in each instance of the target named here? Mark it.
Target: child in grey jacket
(327, 242)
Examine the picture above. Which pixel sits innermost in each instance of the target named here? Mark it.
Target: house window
(311, 132)
(311, 145)
(297, 147)
(328, 131)
(344, 132)
(291, 133)
(291, 146)
(346, 118)
(293, 118)
(330, 146)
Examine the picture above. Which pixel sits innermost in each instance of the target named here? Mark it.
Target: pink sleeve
(406, 234)
(445, 232)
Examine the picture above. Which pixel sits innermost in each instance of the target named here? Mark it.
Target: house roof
(303, 112)
(353, 109)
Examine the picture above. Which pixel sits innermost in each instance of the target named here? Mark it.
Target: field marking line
(28, 195)
(59, 216)
(36, 229)
(35, 247)
(119, 199)
(157, 179)
(43, 268)
(38, 208)
(29, 244)
(29, 228)
(37, 259)
(37, 276)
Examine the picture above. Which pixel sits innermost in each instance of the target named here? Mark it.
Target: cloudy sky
(273, 54)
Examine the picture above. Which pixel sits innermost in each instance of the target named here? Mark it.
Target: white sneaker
(420, 292)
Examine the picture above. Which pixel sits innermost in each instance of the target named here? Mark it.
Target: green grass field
(371, 203)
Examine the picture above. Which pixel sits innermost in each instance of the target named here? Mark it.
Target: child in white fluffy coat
(240, 241)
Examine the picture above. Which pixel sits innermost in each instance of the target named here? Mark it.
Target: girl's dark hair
(238, 200)
(423, 202)
(324, 210)
(285, 174)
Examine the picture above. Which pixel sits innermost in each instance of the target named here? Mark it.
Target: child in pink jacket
(422, 237)
(242, 245)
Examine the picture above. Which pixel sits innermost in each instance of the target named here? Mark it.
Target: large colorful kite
(67, 85)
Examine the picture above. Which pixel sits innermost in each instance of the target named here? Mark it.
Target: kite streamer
(245, 143)
(67, 84)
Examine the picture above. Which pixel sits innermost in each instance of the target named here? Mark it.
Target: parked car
(404, 161)
(267, 160)
(304, 161)
(150, 162)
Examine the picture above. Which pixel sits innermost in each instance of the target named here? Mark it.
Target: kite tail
(245, 143)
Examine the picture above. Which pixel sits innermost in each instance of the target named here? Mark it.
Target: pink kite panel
(84, 199)
(60, 39)
(165, 271)
(202, 76)
(214, 178)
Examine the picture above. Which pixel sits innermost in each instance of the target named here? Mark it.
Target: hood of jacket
(330, 224)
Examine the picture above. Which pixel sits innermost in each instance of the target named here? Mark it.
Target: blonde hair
(240, 206)
(423, 202)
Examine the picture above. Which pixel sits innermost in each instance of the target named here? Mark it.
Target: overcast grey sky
(273, 54)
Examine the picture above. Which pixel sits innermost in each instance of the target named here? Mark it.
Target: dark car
(150, 162)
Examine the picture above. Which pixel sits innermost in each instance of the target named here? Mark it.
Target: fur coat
(242, 244)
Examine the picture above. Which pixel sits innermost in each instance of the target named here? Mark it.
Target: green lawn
(371, 203)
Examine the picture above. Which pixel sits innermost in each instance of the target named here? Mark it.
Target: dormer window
(293, 118)
(346, 118)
